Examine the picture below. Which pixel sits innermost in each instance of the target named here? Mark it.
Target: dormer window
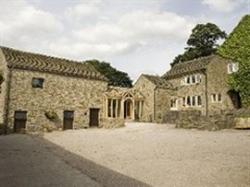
(37, 82)
(232, 68)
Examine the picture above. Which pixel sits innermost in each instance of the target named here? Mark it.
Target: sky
(135, 36)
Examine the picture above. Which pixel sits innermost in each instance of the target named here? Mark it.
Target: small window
(37, 82)
(232, 68)
(219, 98)
(173, 104)
(216, 98)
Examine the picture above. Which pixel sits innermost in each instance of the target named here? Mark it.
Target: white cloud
(128, 33)
(84, 9)
(24, 25)
(224, 5)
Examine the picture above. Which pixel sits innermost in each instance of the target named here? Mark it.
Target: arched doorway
(128, 109)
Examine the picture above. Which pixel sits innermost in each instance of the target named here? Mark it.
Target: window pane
(199, 101)
(193, 101)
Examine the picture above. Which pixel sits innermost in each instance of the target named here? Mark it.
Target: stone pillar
(133, 110)
(116, 108)
(140, 110)
(106, 107)
(122, 109)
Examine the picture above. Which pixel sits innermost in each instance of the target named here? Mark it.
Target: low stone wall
(112, 123)
(194, 119)
(242, 119)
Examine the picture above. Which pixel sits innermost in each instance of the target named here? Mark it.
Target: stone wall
(194, 119)
(147, 88)
(59, 93)
(190, 90)
(4, 71)
(217, 77)
(162, 103)
(112, 122)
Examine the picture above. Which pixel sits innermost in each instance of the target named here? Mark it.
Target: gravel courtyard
(160, 155)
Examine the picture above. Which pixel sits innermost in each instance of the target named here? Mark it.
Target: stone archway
(128, 109)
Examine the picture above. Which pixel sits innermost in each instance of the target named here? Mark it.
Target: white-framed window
(174, 104)
(192, 101)
(191, 79)
(216, 98)
(232, 68)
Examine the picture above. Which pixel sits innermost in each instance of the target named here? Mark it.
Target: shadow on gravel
(104, 176)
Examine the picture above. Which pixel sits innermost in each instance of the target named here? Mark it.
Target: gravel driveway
(160, 155)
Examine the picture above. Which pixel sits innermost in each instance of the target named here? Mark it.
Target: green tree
(237, 48)
(114, 76)
(202, 42)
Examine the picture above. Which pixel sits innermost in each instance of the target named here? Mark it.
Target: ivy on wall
(237, 48)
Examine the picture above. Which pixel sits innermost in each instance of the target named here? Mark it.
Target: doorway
(128, 108)
(235, 98)
(68, 118)
(94, 117)
(20, 118)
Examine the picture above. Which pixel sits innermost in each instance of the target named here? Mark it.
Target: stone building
(201, 84)
(39, 91)
(157, 93)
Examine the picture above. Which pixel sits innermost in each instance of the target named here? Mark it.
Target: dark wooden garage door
(68, 118)
(20, 118)
(94, 117)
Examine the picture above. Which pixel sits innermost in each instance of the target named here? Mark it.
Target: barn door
(68, 118)
(94, 117)
(20, 118)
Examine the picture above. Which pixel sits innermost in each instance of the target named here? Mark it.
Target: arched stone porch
(123, 103)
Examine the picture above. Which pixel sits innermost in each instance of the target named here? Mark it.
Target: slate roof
(159, 81)
(42, 63)
(189, 66)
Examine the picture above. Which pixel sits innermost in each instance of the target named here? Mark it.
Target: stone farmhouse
(40, 91)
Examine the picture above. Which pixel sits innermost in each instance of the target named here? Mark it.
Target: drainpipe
(206, 92)
(7, 99)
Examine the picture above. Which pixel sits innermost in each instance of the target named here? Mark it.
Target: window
(113, 108)
(216, 98)
(37, 82)
(232, 68)
(192, 101)
(192, 79)
(173, 104)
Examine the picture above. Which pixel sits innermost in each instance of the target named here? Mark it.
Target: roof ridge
(196, 59)
(39, 62)
(42, 55)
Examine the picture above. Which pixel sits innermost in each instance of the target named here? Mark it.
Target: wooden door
(20, 118)
(94, 117)
(68, 118)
